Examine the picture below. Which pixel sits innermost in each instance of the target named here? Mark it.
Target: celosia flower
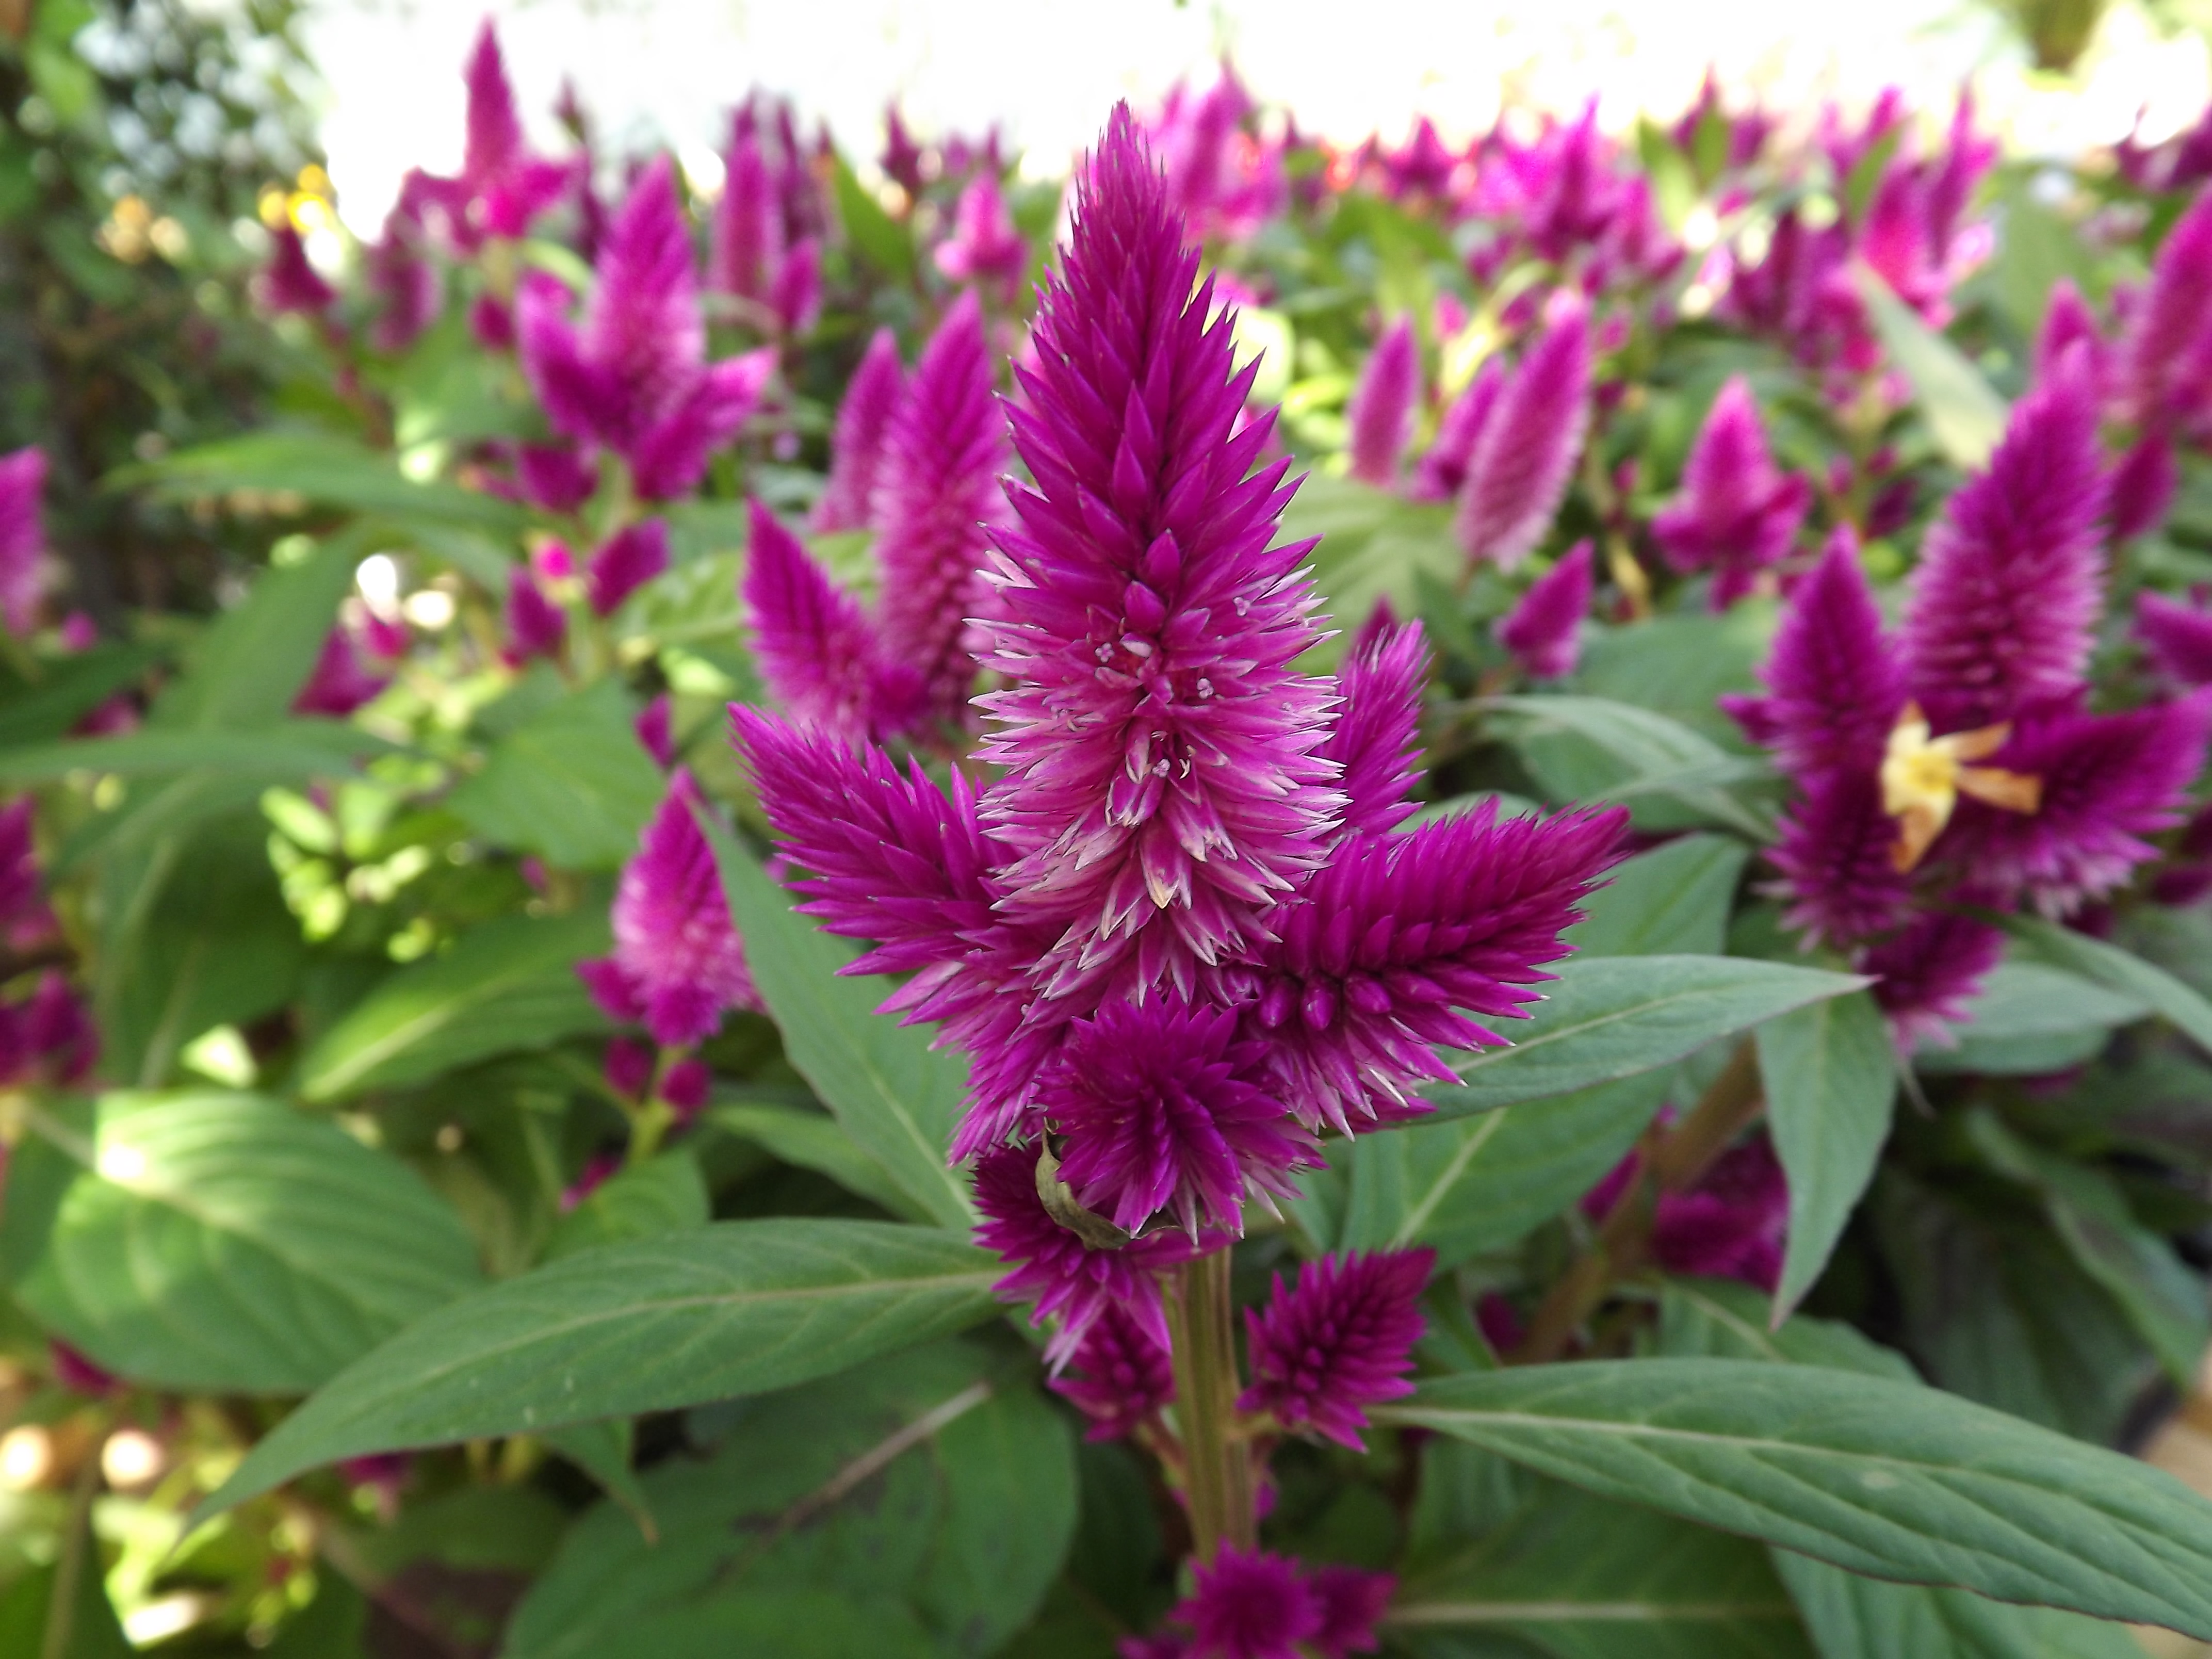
(625, 561)
(2069, 323)
(2165, 360)
(22, 538)
(1352, 1602)
(635, 379)
(1443, 470)
(48, 1037)
(1834, 689)
(2004, 600)
(1249, 1605)
(2142, 487)
(491, 320)
(684, 1087)
(818, 652)
(653, 728)
(1927, 975)
(1222, 180)
(502, 186)
(984, 248)
(2178, 636)
(1731, 1223)
(599, 1168)
(535, 625)
(902, 158)
(1544, 630)
(554, 476)
(341, 681)
(1380, 417)
(73, 1372)
(856, 444)
(1518, 470)
(25, 919)
(406, 284)
(1068, 1279)
(1376, 736)
(627, 1065)
(1339, 1340)
(679, 965)
(1119, 1378)
(288, 282)
(1738, 515)
(936, 491)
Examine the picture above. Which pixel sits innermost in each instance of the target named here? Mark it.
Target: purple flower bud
(985, 248)
(628, 1066)
(2069, 323)
(796, 297)
(902, 157)
(554, 477)
(406, 285)
(1341, 1340)
(340, 682)
(856, 444)
(536, 626)
(654, 733)
(1544, 630)
(1121, 1377)
(1737, 514)
(818, 653)
(1442, 472)
(625, 561)
(2166, 367)
(2142, 487)
(1519, 470)
(22, 538)
(678, 963)
(1927, 975)
(288, 282)
(1381, 414)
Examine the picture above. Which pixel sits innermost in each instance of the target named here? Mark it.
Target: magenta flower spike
(1119, 1378)
(936, 494)
(624, 563)
(1247, 1604)
(25, 919)
(1838, 856)
(679, 965)
(2067, 322)
(796, 299)
(2004, 601)
(1376, 739)
(340, 681)
(288, 283)
(1381, 414)
(856, 443)
(1737, 515)
(1731, 1223)
(984, 249)
(407, 286)
(22, 538)
(2142, 488)
(820, 656)
(1440, 473)
(1518, 471)
(655, 731)
(505, 185)
(1163, 789)
(2165, 371)
(2178, 637)
(1834, 687)
(1544, 630)
(536, 626)
(1339, 1340)
(635, 377)
(554, 476)
(1927, 976)
(902, 156)
(1352, 1601)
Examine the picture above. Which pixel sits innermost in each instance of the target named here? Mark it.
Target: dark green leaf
(734, 1308)
(1829, 1075)
(245, 670)
(290, 752)
(571, 783)
(812, 1140)
(2030, 1018)
(1721, 1319)
(896, 1096)
(1882, 1478)
(2115, 970)
(70, 689)
(1605, 1019)
(219, 1242)
(664, 1194)
(510, 984)
(322, 468)
(1853, 1618)
(1671, 901)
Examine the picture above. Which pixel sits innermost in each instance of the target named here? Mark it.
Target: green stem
(1216, 1463)
(69, 1571)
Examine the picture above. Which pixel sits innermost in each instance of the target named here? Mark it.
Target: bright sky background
(1048, 70)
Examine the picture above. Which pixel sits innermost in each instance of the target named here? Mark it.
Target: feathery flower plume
(2142, 487)
(1519, 468)
(935, 491)
(288, 283)
(1380, 416)
(626, 561)
(818, 653)
(746, 249)
(856, 443)
(1738, 514)
(1927, 976)
(985, 248)
(1838, 856)
(1377, 737)
(679, 965)
(536, 626)
(406, 284)
(1249, 1605)
(1341, 1339)
(502, 185)
(2179, 637)
(341, 681)
(1352, 1601)
(1120, 1377)
(654, 733)
(1441, 473)
(635, 377)
(2004, 601)
(22, 538)
(1730, 1224)
(1834, 688)
(554, 476)
(1544, 630)
(2069, 323)
(2165, 359)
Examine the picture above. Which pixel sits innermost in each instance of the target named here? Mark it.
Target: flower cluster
(1250, 1604)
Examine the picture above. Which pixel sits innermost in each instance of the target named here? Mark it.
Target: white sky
(1048, 70)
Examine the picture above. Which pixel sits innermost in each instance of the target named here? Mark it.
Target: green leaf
(323, 468)
(1374, 545)
(1853, 1618)
(1829, 1075)
(655, 1325)
(571, 783)
(245, 670)
(2030, 1018)
(1881, 1478)
(1963, 412)
(1479, 1183)
(927, 1480)
(1671, 901)
(2115, 970)
(812, 1140)
(603, 1450)
(1576, 1578)
(896, 1097)
(291, 751)
(1721, 1319)
(509, 984)
(222, 1243)
(1656, 755)
(2161, 1298)
(1609, 1018)
(70, 689)
(878, 237)
(664, 1194)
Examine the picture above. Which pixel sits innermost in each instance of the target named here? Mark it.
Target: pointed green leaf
(664, 1194)
(1671, 901)
(1963, 412)
(571, 783)
(2115, 970)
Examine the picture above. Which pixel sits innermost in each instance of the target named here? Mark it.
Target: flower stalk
(1217, 1459)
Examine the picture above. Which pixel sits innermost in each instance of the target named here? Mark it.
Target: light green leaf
(509, 984)
(1853, 1618)
(1963, 412)
(1671, 901)
(2115, 970)
(654, 1325)
(1608, 1018)
(289, 752)
(222, 1243)
(897, 1098)
(879, 239)
(1721, 1319)
(1881, 1478)
(2031, 1017)
(1479, 1183)
(1374, 545)
(1830, 1075)
(1658, 755)
(247, 667)
(664, 1194)
(571, 783)
(323, 468)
